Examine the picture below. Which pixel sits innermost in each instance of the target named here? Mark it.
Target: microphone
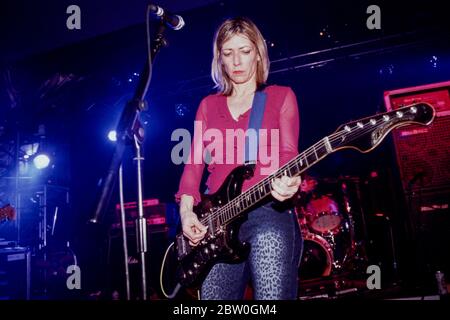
(173, 21)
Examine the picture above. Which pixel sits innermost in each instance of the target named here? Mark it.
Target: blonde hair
(229, 28)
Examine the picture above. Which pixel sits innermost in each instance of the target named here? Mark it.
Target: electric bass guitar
(224, 211)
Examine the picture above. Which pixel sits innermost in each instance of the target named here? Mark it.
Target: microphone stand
(130, 130)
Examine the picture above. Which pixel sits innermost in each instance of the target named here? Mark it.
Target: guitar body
(221, 243)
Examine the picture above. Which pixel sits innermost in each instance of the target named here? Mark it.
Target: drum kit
(327, 226)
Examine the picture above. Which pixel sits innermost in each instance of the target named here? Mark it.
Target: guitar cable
(177, 287)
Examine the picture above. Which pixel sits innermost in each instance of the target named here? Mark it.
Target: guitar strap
(255, 122)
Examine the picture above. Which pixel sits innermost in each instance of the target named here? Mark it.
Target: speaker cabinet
(157, 242)
(15, 273)
(423, 157)
(423, 153)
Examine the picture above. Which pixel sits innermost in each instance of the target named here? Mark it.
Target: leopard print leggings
(272, 265)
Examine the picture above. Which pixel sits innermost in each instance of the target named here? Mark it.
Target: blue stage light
(112, 135)
(41, 161)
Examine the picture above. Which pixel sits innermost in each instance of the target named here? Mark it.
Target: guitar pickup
(183, 247)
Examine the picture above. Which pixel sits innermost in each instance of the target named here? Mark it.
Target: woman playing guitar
(240, 68)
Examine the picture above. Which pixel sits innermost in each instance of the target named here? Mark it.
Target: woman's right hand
(192, 228)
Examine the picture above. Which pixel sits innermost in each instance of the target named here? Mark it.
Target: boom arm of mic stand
(128, 127)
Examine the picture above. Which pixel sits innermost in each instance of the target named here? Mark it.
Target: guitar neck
(258, 192)
(363, 135)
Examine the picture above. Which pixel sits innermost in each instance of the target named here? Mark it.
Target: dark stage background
(67, 90)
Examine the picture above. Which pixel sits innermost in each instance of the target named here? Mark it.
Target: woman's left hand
(285, 187)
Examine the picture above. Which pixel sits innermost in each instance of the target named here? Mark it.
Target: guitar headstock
(365, 134)
(7, 213)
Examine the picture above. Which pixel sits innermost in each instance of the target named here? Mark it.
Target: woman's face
(239, 58)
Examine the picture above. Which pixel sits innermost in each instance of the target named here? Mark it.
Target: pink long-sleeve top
(280, 129)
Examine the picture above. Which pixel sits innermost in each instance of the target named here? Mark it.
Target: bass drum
(317, 257)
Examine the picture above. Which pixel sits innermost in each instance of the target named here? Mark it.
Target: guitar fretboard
(262, 189)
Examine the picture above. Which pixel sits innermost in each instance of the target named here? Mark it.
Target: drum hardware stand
(357, 247)
(394, 253)
(415, 221)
